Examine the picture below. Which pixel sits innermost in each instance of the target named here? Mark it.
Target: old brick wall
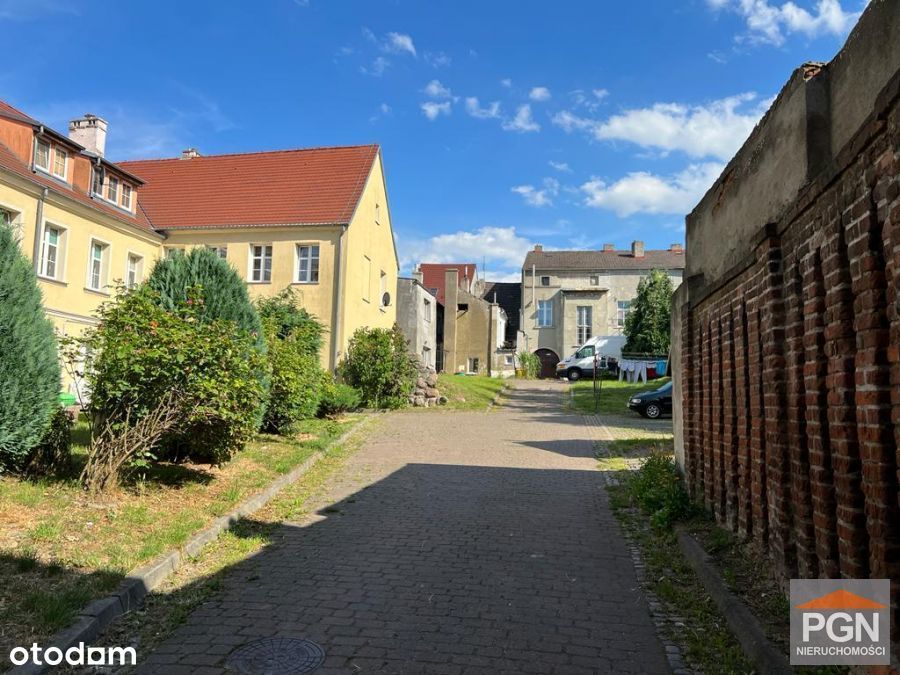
(789, 361)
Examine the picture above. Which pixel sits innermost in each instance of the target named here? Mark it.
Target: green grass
(614, 395)
(61, 547)
(469, 392)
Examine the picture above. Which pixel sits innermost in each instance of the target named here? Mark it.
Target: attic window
(595, 280)
(42, 155)
(545, 281)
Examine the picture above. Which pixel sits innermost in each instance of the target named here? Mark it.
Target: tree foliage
(380, 366)
(284, 313)
(647, 326)
(29, 368)
(141, 353)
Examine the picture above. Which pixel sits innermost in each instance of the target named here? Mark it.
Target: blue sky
(503, 123)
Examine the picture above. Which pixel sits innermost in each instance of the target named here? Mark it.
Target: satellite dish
(386, 300)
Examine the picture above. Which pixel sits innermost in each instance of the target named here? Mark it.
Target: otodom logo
(840, 621)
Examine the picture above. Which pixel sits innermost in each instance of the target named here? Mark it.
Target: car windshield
(663, 389)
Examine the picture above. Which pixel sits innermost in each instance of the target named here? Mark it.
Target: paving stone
(474, 542)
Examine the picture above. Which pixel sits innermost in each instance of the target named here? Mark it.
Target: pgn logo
(840, 621)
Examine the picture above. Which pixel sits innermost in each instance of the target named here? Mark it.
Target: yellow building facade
(316, 221)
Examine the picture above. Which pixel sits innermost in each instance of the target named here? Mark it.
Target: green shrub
(296, 384)
(529, 363)
(658, 489)
(338, 398)
(54, 453)
(379, 365)
(202, 275)
(143, 352)
(648, 324)
(283, 311)
(29, 368)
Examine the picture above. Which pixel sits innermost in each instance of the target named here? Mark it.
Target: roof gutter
(338, 306)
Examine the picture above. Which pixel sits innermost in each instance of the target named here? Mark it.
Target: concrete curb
(93, 619)
(745, 627)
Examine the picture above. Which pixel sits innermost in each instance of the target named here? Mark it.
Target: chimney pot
(676, 248)
(538, 248)
(190, 153)
(637, 249)
(89, 131)
(608, 248)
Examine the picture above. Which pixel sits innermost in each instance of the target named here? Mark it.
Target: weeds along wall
(787, 333)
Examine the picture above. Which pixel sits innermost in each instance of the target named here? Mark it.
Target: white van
(581, 363)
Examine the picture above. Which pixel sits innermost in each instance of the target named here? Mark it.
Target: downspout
(338, 300)
(490, 350)
(38, 230)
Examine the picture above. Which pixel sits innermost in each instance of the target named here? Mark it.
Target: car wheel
(574, 375)
(653, 411)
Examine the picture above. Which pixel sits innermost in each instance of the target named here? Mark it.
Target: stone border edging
(93, 619)
(744, 626)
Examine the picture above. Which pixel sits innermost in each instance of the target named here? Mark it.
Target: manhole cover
(276, 656)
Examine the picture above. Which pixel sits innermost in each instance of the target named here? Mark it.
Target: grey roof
(603, 260)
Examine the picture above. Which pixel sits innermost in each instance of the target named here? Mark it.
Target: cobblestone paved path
(450, 543)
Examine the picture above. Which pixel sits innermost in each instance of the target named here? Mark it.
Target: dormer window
(42, 155)
(112, 190)
(60, 159)
(97, 187)
(126, 196)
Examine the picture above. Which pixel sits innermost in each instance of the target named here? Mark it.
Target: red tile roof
(433, 275)
(11, 162)
(6, 110)
(285, 187)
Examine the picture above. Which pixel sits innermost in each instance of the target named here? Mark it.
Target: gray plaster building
(417, 317)
(569, 297)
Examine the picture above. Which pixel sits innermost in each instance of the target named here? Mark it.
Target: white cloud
(437, 59)
(560, 166)
(473, 107)
(506, 83)
(771, 23)
(398, 43)
(31, 10)
(643, 192)
(523, 122)
(543, 196)
(435, 89)
(501, 247)
(385, 109)
(600, 94)
(539, 94)
(716, 129)
(433, 110)
(379, 65)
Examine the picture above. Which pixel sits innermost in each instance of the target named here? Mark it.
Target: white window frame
(103, 275)
(138, 269)
(127, 187)
(584, 330)
(170, 252)
(65, 155)
(220, 250)
(251, 272)
(622, 312)
(15, 222)
(59, 260)
(97, 182)
(312, 259)
(37, 143)
(110, 180)
(545, 314)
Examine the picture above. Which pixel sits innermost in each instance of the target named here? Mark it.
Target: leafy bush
(296, 384)
(379, 365)
(338, 398)
(659, 490)
(29, 369)
(143, 352)
(529, 363)
(648, 322)
(289, 319)
(202, 275)
(53, 453)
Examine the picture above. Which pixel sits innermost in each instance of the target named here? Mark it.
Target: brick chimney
(609, 248)
(637, 249)
(538, 248)
(676, 248)
(190, 153)
(90, 132)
